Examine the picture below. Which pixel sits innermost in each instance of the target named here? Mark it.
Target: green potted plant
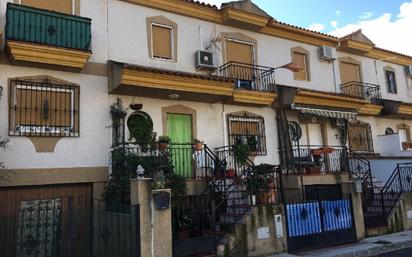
(241, 153)
(117, 110)
(164, 142)
(177, 184)
(198, 144)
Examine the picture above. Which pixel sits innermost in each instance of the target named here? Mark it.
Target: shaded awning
(347, 115)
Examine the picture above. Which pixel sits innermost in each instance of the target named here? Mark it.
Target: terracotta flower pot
(163, 146)
(327, 150)
(198, 146)
(230, 173)
(185, 234)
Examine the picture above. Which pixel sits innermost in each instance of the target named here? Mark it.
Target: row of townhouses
(176, 128)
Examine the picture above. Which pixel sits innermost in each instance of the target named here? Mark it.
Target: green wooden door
(179, 129)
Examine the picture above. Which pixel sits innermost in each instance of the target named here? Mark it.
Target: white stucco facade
(90, 149)
(119, 33)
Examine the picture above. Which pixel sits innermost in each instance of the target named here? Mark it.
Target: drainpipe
(224, 125)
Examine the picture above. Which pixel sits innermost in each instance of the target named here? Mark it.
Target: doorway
(179, 129)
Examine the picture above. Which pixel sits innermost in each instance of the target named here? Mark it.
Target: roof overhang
(317, 98)
(353, 46)
(254, 97)
(242, 19)
(398, 110)
(145, 81)
(30, 52)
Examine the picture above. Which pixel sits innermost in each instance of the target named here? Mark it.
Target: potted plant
(198, 144)
(164, 142)
(177, 184)
(327, 150)
(241, 153)
(230, 173)
(117, 110)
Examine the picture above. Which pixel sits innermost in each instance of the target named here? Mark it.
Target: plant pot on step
(185, 234)
(163, 146)
(230, 173)
(199, 146)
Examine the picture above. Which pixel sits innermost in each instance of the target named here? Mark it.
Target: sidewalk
(367, 247)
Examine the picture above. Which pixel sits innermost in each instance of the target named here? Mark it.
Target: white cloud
(334, 24)
(316, 27)
(338, 12)
(392, 34)
(366, 15)
(218, 3)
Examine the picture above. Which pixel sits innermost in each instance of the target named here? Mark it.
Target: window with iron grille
(250, 129)
(43, 109)
(390, 82)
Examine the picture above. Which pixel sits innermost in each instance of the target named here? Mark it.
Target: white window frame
(172, 41)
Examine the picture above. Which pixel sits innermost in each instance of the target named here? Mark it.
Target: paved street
(401, 253)
(391, 245)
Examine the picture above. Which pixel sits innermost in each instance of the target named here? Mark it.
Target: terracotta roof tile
(176, 73)
(202, 4)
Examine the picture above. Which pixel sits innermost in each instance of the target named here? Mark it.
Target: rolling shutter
(162, 42)
(64, 6)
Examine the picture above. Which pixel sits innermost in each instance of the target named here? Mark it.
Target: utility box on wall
(278, 226)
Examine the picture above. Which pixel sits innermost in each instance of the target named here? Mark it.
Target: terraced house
(176, 128)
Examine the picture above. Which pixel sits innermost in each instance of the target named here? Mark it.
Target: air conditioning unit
(204, 60)
(408, 71)
(327, 53)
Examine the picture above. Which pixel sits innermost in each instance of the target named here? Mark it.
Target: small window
(248, 129)
(63, 6)
(300, 59)
(43, 109)
(162, 42)
(389, 131)
(390, 82)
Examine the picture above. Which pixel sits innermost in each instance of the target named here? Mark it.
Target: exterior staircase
(380, 199)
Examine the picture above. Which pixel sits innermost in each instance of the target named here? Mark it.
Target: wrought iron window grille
(43, 109)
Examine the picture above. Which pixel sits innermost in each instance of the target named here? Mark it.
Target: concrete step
(378, 231)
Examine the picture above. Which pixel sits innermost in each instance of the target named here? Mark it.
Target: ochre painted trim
(371, 109)
(49, 176)
(355, 46)
(405, 109)
(254, 97)
(273, 28)
(231, 16)
(162, 81)
(179, 109)
(44, 144)
(324, 99)
(22, 51)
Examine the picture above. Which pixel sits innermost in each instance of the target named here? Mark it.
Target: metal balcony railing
(312, 159)
(367, 91)
(249, 77)
(33, 25)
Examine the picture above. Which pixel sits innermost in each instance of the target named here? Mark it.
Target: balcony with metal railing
(316, 160)
(366, 91)
(43, 36)
(249, 76)
(254, 84)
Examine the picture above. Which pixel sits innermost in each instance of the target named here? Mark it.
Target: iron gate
(319, 223)
(70, 227)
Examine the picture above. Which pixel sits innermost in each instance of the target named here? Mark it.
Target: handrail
(249, 76)
(47, 27)
(367, 91)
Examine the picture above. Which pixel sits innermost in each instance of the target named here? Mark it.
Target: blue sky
(307, 12)
(388, 23)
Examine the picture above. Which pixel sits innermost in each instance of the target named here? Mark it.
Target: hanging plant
(117, 110)
(141, 128)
